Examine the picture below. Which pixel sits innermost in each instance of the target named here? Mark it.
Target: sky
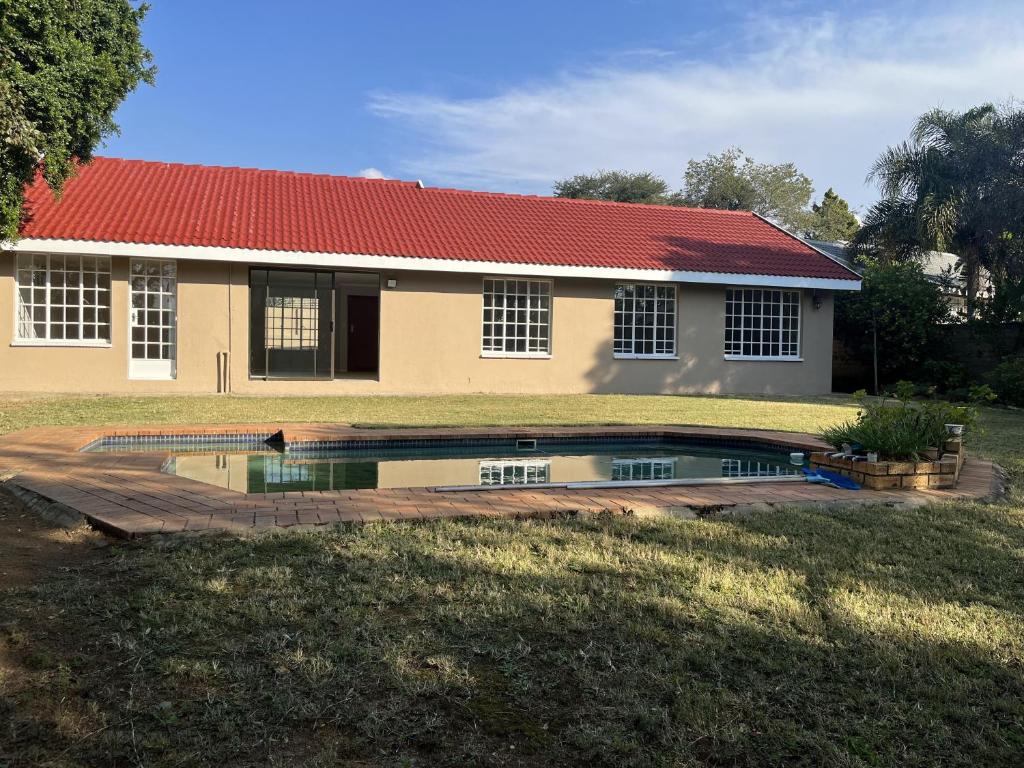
(511, 96)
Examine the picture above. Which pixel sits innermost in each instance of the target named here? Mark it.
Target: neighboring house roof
(940, 266)
(837, 250)
(165, 204)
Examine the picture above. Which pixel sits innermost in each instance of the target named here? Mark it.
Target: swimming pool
(256, 467)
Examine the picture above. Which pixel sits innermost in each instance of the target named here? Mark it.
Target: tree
(734, 181)
(898, 309)
(65, 66)
(831, 219)
(955, 186)
(617, 186)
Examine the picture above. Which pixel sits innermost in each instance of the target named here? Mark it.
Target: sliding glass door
(290, 324)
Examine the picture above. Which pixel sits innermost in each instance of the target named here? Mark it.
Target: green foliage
(981, 394)
(1006, 303)
(730, 180)
(944, 375)
(900, 429)
(733, 181)
(905, 308)
(954, 186)
(616, 186)
(904, 390)
(831, 219)
(65, 66)
(1007, 380)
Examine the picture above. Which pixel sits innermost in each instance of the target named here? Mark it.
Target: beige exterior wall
(202, 333)
(231, 470)
(430, 343)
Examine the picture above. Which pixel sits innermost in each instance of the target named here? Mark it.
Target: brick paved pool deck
(127, 495)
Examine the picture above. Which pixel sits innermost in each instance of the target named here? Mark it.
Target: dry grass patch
(862, 638)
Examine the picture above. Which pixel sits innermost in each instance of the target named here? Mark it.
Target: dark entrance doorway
(363, 333)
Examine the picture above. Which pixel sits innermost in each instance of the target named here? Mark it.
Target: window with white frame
(644, 469)
(63, 299)
(517, 318)
(514, 472)
(645, 320)
(762, 324)
(277, 471)
(752, 468)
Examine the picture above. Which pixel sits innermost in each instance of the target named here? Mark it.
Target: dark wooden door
(363, 332)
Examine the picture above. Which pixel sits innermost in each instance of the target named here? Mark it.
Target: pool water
(268, 471)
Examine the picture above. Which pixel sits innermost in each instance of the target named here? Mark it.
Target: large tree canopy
(65, 66)
(898, 308)
(617, 186)
(831, 219)
(729, 180)
(956, 185)
(734, 181)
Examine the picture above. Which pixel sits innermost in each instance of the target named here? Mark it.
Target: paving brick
(128, 494)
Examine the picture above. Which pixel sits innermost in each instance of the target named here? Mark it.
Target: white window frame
(674, 354)
(794, 358)
(655, 468)
(755, 468)
(18, 341)
(515, 473)
(536, 355)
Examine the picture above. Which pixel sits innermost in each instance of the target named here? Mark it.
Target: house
(939, 267)
(156, 277)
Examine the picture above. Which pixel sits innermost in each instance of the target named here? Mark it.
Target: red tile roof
(131, 201)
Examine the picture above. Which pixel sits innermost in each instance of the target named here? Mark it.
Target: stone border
(49, 510)
(937, 472)
(127, 495)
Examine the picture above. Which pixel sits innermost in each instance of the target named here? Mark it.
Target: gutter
(379, 263)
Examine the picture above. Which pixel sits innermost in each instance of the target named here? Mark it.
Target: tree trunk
(971, 268)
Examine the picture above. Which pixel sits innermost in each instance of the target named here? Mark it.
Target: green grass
(863, 638)
(793, 414)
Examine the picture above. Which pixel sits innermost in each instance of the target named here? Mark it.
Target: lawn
(867, 638)
(793, 414)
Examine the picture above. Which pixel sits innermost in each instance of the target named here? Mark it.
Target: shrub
(945, 376)
(1007, 380)
(903, 390)
(981, 394)
(899, 429)
(903, 309)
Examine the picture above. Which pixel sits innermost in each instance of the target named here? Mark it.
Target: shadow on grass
(873, 638)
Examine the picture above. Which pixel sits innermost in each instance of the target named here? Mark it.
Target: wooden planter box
(943, 471)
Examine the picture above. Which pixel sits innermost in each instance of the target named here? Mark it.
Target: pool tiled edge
(127, 495)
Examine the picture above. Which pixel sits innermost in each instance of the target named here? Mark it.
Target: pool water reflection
(272, 472)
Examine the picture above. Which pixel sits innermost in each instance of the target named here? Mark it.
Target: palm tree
(941, 190)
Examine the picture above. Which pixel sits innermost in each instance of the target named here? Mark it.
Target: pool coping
(126, 494)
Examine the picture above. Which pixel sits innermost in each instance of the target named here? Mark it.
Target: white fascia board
(392, 263)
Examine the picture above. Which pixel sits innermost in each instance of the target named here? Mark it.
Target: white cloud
(372, 173)
(827, 94)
